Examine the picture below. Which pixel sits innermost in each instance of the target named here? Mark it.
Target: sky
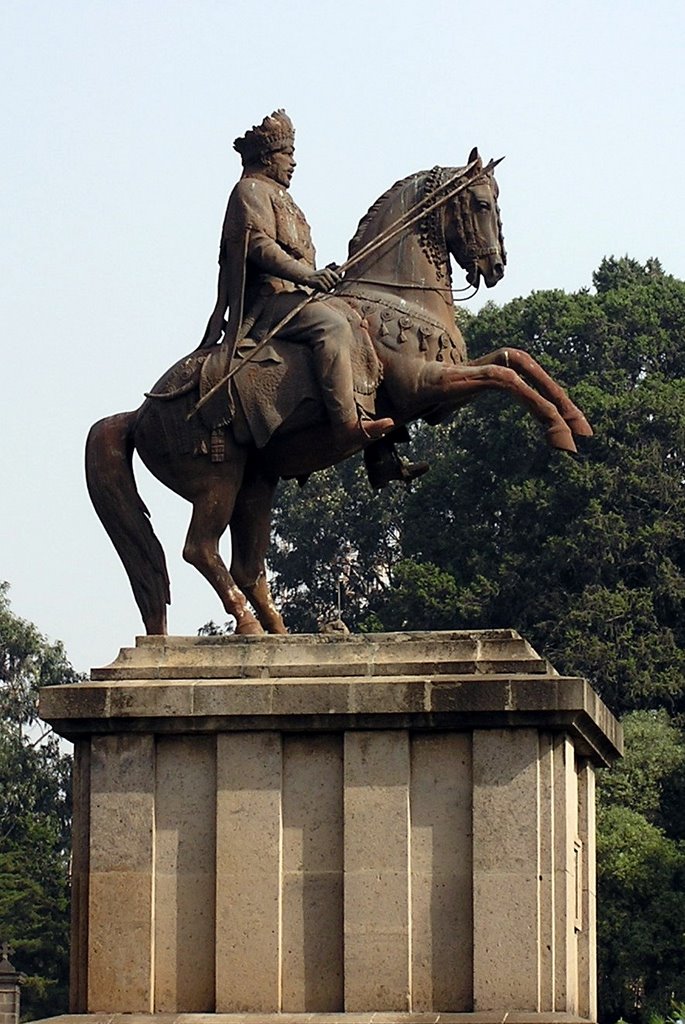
(117, 128)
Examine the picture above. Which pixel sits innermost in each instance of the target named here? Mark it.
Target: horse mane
(355, 241)
(429, 230)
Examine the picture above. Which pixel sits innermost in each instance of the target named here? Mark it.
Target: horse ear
(474, 156)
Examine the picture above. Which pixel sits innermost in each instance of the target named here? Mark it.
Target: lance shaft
(427, 205)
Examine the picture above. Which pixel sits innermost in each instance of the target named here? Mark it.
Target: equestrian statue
(310, 367)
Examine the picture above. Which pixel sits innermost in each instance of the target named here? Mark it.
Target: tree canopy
(35, 816)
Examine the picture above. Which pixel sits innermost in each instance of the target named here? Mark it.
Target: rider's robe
(266, 241)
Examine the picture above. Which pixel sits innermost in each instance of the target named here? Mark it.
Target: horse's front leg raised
(464, 383)
(524, 364)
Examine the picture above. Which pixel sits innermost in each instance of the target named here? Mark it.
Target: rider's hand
(324, 280)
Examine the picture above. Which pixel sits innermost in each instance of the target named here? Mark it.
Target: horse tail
(122, 512)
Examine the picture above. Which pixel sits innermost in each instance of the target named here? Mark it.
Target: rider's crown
(275, 132)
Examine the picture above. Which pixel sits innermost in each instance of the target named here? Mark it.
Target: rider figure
(267, 266)
(266, 259)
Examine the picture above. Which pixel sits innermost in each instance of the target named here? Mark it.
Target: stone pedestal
(9, 989)
(398, 825)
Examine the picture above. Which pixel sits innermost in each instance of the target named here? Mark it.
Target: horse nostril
(499, 269)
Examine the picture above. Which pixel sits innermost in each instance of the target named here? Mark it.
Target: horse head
(473, 229)
(466, 225)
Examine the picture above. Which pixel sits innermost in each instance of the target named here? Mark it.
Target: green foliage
(641, 869)
(675, 1016)
(27, 662)
(649, 779)
(212, 628)
(333, 533)
(35, 817)
(641, 934)
(422, 596)
(624, 273)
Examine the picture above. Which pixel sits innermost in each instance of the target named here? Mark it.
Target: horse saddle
(276, 387)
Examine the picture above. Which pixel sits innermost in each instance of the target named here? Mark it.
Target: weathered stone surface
(185, 858)
(80, 873)
(505, 869)
(312, 873)
(455, 680)
(377, 871)
(248, 872)
(10, 995)
(121, 873)
(441, 871)
(587, 922)
(313, 1018)
(278, 657)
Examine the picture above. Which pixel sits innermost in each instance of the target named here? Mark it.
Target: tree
(642, 901)
(35, 816)
(641, 877)
(333, 532)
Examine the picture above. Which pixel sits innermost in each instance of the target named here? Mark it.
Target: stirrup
(382, 473)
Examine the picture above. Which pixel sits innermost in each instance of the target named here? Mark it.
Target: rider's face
(282, 165)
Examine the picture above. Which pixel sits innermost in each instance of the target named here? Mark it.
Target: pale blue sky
(117, 126)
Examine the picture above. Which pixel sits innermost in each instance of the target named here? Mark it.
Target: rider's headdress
(275, 132)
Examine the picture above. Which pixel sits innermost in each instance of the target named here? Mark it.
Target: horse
(400, 292)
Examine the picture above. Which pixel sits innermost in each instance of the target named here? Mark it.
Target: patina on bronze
(397, 356)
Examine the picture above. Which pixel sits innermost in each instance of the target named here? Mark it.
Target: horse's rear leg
(523, 363)
(250, 533)
(211, 515)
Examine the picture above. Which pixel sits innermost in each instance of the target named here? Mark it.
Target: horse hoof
(249, 627)
(579, 425)
(559, 436)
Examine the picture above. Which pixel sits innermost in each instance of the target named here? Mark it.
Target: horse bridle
(432, 238)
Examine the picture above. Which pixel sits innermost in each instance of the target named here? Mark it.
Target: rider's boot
(352, 433)
(383, 465)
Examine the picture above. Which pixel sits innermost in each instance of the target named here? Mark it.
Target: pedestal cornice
(456, 680)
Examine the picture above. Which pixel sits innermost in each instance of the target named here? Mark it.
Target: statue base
(396, 826)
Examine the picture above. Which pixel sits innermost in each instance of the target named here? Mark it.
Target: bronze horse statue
(414, 366)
